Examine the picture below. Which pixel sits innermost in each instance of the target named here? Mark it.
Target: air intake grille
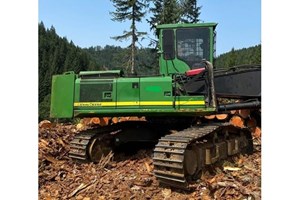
(94, 92)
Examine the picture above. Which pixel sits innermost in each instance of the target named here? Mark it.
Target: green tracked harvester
(187, 88)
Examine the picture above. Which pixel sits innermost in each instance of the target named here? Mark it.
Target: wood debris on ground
(123, 176)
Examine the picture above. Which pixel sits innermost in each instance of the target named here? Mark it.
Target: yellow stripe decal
(156, 103)
(137, 103)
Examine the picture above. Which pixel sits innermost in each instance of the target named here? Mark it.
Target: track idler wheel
(98, 148)
(193, 163)
(190, 162)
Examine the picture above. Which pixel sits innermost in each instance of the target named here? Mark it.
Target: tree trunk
(132, 71)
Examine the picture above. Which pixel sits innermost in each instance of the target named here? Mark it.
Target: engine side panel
(146, 96)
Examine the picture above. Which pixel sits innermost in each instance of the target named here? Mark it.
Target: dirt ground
(130, 175)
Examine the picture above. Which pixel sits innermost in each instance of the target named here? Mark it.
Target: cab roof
(184, 25)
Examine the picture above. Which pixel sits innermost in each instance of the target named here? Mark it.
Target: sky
(88, 23)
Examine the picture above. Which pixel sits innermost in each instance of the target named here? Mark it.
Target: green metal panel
(138, 96)
(94, 92)
(128, 92)
(101, 74)
(212, 45)
(77, 90)
(156, 90)
(62, 96)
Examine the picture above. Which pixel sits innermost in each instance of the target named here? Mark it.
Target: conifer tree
(133, 10)
(171, 12)
(56, 55)
(190, 11)
(164, 12)
(157, 12)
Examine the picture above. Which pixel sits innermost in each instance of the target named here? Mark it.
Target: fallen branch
(81, 187)
(236, 186)
(105, 159)
(148, 168)
(231, 168)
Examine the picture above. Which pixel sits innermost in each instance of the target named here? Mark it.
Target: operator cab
(183, 47)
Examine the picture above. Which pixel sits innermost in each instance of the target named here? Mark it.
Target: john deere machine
(187, 88)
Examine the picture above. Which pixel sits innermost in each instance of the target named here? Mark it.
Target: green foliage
(44, 107)
(56, 55)
(251, 55)
(164, 12)
(112, 57)
(190, 11)
(157, 17)
(147, 62)
(173, 11)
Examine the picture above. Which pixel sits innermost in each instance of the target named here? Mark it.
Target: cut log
(251, 123)
(115, 120)
(222, 116)
(237, 121)
(104, 121)
(45, 124)
(233, 112)
(209, 117)
(94, 121)
(244, 113)
(257, 132)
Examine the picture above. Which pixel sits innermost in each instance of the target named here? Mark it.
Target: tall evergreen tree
(163, 12)
(56, 55)
(133, 10)
(157, 17)
(171, 12)
(190, 11)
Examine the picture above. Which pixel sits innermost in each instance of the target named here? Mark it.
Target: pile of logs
(104, 121)
(240, 118)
